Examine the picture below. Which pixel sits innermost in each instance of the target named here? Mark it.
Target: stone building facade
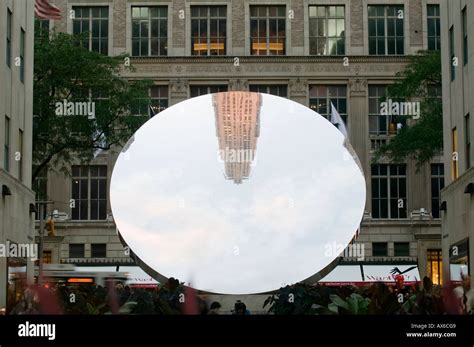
(310, 51)
(16, 119)
(458, 81)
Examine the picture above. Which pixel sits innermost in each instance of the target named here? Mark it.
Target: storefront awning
(359, 275)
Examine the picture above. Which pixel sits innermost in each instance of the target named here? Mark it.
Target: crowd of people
(175, 298)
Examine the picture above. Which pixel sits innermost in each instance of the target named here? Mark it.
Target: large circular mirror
(237, 192)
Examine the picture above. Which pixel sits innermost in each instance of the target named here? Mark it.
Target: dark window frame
(437, 184)
(379, 249)
(273, 89)
(98, 250)
(386, 20)
(89, 206)
(385, 178)
(399, 249)
(8, 35)
(215, 15)
(82, 24)
(434, 27)
(275, 15)
(150, 37)
(321, 96)
(76, 247)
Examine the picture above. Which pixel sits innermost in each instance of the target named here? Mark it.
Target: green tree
(64, 70)
(422, 139)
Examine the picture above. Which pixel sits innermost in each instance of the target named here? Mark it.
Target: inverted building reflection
(237, 128)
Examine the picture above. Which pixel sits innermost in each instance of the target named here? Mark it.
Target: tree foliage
(422, 139)
(64, 70)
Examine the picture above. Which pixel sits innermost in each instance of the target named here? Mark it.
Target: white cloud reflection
(179, 214)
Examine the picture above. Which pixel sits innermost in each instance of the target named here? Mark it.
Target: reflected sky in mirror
(237, 192)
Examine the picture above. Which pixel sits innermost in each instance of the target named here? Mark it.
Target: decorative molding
(298, 86)
(179, 86)
(238, 84)
(358, 86)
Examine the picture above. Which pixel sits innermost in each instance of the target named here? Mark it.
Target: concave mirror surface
(237, 192)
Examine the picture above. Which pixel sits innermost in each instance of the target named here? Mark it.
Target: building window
(267, 30)
(9, 38)
(401, 249)
(22, 56)
(378, 123)
(434, 24)
(326, 30)
(76, 250)
(149, 31)
(41, 29)
(454, 155)
(379, 249)
(40, 187)
(157, 102)
(437, 184)
(6, 147)
(467, 135)
(386, 35)
(465, 45)
(203, 90)
(98, 250)
(159, 98)
(274, 89)
(451, 54)
(20, 159)
(435, 266)
(47, 257)
(95, 22)
(389, 191)
(89, 192)
(208, 30)
(321, 97)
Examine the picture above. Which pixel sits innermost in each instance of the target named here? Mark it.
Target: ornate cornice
(271, 59)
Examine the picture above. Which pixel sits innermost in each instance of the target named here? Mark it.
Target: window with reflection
(389, 192)
(274, 89)
(208, 30)
(434, 25)
(435, 266)
(198, 90)
(386, 35)
(95, 22)
(326, 30)
(437, 183)
(267, 30)
(89, 192)
(149, 31)
(321, 96)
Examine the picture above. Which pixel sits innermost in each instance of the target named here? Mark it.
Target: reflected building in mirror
(237, 129)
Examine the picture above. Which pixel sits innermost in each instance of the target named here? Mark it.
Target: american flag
(45, 10)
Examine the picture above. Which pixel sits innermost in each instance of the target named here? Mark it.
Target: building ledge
(98, 261)
(459, 184)
(270, 59)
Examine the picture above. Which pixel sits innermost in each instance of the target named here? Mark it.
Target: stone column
(358, 124)
(178, 91)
